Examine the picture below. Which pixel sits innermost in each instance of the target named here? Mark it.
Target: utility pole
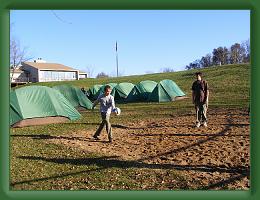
(116, 60)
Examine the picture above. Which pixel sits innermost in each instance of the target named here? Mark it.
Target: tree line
(237, 53)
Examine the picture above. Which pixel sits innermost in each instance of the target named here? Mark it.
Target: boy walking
(200, 98)
(107, 104)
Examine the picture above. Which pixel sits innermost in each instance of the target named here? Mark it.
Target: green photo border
(7, 5)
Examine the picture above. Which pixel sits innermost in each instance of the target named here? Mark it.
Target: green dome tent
(74, 95)
(35, 105)
(122, 90)
(145, 88)
(92, 91)
(165, 90)
(134, 96)
(101, 89)
(141, 91)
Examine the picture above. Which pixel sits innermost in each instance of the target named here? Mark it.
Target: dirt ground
(216, 157)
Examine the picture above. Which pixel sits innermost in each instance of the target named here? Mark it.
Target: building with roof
(83, 75)
(41, 71)
(18, 75)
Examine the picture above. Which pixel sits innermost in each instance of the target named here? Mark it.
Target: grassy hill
(229, 84)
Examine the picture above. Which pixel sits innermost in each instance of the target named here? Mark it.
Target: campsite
(156, 145)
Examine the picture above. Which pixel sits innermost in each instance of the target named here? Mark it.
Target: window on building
(56, 76)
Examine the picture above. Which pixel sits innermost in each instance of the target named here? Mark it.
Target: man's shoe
(198, 125)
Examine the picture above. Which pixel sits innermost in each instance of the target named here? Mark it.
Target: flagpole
(116, 60)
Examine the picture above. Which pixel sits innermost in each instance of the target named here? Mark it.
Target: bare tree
(194, 65)
(102, 75)
(188, 67)
(237, 53)
(206, 61)
(220, 56)
(89, 70)
(17, 55)
(166, 69)
(246, 46)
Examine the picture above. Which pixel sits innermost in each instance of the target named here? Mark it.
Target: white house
(41, 71)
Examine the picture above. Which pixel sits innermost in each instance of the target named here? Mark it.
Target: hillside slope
(229, 84)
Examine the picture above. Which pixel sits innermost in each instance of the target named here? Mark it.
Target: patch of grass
(38, 165)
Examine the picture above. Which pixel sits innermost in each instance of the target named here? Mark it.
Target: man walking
(200, 98)
(107, 104)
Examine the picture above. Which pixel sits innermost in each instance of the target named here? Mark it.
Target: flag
(116, 45)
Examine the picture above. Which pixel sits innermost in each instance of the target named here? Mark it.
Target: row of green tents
(33, 105)
(145, 91)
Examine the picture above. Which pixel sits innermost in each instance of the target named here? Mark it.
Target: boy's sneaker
(96, 138)
(205, 124)
(197, 124)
